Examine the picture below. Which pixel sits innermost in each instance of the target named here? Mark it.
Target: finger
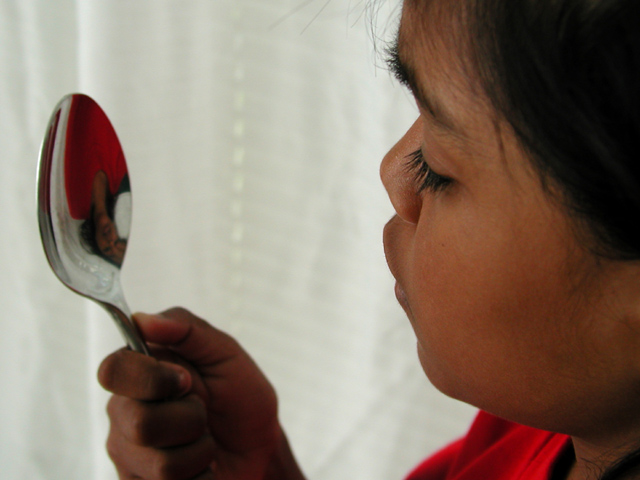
(185, 462)
(191, 337)
(163, 424)
(124, 474)
(142, 377)
(206, 475)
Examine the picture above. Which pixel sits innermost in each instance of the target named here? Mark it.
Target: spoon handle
(127, 328)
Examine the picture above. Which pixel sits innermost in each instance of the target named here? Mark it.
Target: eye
(425, 178)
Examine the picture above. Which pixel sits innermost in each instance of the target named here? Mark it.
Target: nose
(398, 180)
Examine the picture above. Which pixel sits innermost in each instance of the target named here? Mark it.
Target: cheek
(489, 297)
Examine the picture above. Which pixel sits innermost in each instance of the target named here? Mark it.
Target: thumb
(191, 337)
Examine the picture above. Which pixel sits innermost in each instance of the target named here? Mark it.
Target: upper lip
(387, 236)
(391, 254)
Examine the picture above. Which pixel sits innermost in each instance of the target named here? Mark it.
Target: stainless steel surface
(84, 207)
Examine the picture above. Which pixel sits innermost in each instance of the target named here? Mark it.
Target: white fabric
(253, 131)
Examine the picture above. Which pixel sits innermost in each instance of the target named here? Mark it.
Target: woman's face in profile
(504, 299)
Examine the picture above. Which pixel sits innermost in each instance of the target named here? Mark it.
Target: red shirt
(496, 449)
(91, 146)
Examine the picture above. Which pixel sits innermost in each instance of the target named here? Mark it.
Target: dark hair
(566, 75)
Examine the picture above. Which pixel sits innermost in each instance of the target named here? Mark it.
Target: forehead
(431, 28)
(434, 46)
(430, 45)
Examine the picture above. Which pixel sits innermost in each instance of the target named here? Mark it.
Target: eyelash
(394, 65)
(425, 178)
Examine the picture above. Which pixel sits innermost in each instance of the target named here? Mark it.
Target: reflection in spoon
(99, 231)
(84, 206)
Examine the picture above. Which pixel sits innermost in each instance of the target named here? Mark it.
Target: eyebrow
(406, 75)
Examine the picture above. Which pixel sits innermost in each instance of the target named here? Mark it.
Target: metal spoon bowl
(84, 207)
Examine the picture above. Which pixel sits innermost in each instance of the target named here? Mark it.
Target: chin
(437, 378)
(445, 381)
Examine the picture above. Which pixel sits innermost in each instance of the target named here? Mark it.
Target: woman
(513, 246)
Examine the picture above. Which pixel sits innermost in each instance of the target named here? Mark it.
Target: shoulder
(498, 449)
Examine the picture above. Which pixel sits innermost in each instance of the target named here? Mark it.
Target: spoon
(84, 207)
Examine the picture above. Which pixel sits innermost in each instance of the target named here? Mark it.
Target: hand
(199, 408)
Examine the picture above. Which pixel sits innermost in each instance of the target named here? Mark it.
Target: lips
(402, 298)
(391, 241)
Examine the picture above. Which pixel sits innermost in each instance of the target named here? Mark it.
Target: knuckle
(111, 407)
(140, 427)
(165, 467)
(114, 406)
(112, 448)
(116, 410)
(120, 410)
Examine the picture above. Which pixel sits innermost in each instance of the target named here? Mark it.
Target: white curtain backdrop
(253, 131)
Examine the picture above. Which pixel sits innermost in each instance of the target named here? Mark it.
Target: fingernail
(183, 381)
(139, 316)
(183, 377)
